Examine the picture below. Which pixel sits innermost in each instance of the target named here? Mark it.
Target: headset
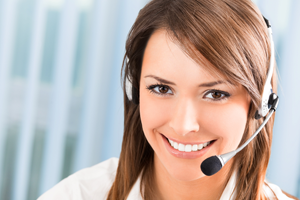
(269, 104)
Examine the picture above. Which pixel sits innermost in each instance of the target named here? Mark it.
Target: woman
(198, 70)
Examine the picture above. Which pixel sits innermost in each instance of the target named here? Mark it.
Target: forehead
(166, 57)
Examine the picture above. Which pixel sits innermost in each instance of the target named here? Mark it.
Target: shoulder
(89, 183)
(274, 192)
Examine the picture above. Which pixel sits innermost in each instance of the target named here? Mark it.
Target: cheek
(227, 123)
(153, 114)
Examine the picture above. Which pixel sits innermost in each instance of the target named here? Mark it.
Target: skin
(187, 113)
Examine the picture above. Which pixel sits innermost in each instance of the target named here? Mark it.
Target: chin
(186, 175)
(187, 170)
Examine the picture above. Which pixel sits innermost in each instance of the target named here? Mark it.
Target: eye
(217, 95)
(159, 89)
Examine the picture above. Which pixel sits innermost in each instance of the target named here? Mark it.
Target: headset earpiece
(267, 92)
(132, 93)
(128, 85)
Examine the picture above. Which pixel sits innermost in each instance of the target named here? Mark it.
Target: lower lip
(183, 154)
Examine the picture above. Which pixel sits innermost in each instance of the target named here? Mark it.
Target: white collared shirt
(94, 183)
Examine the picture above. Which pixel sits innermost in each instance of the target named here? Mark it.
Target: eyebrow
(209, 84)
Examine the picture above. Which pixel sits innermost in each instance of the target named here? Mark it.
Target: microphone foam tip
(211, 165)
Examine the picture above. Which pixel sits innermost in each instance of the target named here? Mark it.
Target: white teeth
(181, 147)
(195, 147)
(172, 143)
(205, 144)
(175, 145)
(200, 146)
(188, 147)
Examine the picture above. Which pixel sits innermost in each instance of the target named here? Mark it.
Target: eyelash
(225, 95)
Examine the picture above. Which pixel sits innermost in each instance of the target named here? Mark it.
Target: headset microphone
(269, 103)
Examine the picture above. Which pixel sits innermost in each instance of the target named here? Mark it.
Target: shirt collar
(135, 191)
(229, 193)
(226, 195)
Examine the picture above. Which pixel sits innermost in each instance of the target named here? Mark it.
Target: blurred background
(61, 102)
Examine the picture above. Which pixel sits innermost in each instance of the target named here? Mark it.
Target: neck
(207, 187)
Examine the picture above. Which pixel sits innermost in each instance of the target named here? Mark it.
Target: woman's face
(183, 102)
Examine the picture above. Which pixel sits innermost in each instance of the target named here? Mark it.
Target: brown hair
(232, 36)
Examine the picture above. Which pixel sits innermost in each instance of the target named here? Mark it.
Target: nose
(184, 118)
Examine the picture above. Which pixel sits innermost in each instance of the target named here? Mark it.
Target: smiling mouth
(188, 147)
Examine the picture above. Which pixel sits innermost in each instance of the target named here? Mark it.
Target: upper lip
(185, 143)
